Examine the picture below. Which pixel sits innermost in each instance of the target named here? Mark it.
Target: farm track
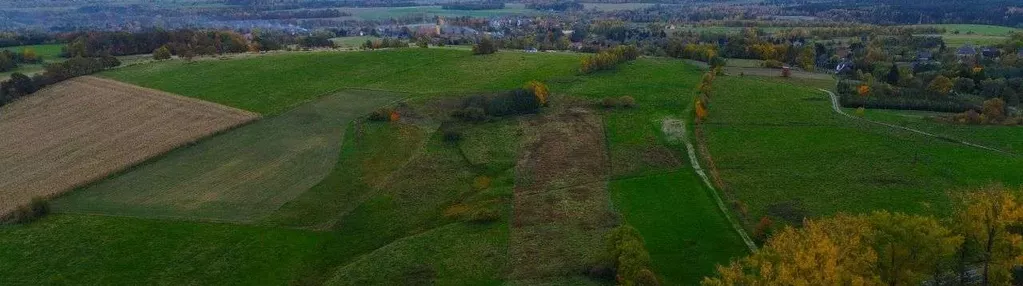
(838, 109)
(679, 131)
(87, 128)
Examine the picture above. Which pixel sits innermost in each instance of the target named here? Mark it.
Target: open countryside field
(973, 34)
(986, 30)
(395, 187)
(1008, 138)
(783, 153)
(84, 129)
(49, 52)
(276, 83)
(383, 13)
(240, 176)
(105, 250)
(352, 42)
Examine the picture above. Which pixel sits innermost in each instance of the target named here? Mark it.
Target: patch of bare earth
(87, 128)
(561, 203)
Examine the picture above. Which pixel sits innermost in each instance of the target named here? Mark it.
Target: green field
(49, 52)
(102, 250)
(395, 200)
(276, 83)
(240, 176)
(784, 153)
(352, 42)
(383, 13)
(982, 35)
(343, 200)
(616, 6)
(1008, 138)
(986, 30)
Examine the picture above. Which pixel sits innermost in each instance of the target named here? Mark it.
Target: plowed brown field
(87, 128)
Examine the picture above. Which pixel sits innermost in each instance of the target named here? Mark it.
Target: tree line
(608, 59)
(486, 5)
(20, 85)
(10, 60)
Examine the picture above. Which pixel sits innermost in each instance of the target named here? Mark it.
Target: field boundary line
(695, 163)
(838, 109)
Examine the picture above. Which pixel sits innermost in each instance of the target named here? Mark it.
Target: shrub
(162, 53)
(539, 90)
(483, 215)
(608, 59)
(470, 114)
(609, 102)
(994, 109)
(773, 64)
(382, 114)
(629, 257)
(518, 101)
(36, 209)
(451, 132)
(481, 183)
(627, 101)
(763, 229)
(485, 46)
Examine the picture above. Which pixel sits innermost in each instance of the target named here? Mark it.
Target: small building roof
(966, 50)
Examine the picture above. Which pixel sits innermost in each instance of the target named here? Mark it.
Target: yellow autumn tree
(941, 85)
(539, 90)
(835, 251)
(29, 55)
(911, 248)
(701, 110)
(984, 218)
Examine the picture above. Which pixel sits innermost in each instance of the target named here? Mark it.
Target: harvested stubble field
(87, 128)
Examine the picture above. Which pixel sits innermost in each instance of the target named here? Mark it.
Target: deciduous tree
(941, 85)
(984, 218)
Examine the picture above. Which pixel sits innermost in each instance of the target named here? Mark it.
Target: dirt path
(838, 109)
(675, 129)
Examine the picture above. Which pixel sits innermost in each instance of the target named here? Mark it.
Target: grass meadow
(49, 52)
(1008, 138)
(384, 13)
(395, 203)
(242, 175)
(785, 154)
(273, 84)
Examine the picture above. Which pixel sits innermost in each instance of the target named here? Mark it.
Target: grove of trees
(608, 59)
(980, 243)
(20, 85)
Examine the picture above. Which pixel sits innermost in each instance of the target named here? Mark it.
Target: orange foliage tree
(539, 90)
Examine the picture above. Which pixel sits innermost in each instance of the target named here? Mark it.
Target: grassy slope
(273, 84)
(775, 143)
(1009, 138)
(240, 176)
(987, 30)
(99, 250)
(653, 186)
(401, 207)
